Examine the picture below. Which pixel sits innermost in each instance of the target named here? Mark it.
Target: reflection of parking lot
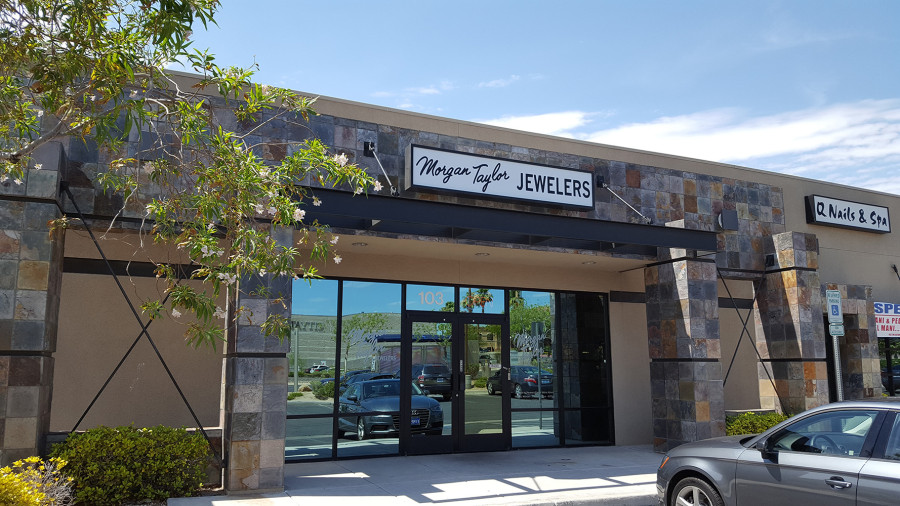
(311, 437)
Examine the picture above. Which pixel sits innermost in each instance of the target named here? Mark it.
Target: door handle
(837, 482)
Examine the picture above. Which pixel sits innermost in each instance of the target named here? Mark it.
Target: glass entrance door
(447, 361)
(484, 361)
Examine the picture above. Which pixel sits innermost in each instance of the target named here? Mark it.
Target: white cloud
(558, 123)
(853, 143)
(499, 83)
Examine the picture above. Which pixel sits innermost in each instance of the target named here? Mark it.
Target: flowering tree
(98, 70)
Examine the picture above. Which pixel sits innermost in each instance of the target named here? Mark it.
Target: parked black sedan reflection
(523, 381)
(372, 408)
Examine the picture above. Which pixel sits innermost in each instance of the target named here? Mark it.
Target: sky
(809, 88)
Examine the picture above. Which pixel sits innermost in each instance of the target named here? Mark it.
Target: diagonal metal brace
(65, 189)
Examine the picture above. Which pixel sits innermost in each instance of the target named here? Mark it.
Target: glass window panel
(587, 426)
(533, 342)
(535, 428)
(481, 300)
(308, 438)
(370, 327)
(370, 357)
(311, 357)
(429, 298)
(483, 412)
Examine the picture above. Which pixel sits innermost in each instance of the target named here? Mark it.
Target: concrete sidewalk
(621, 475)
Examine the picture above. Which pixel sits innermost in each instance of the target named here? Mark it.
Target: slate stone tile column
(860, 362)
(256, 367)
(683, 328)
(790, 329)
(30, 276)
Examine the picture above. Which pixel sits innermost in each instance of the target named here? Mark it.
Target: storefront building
(544, 291)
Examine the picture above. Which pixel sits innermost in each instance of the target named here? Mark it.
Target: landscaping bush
(116, 465)
(479, 382)
(752, 423)
(33, 482)
(294, 395)
(322, 390)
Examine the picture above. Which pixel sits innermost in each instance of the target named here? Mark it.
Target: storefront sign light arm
(602, 184)
(894, 267)
(369, 150)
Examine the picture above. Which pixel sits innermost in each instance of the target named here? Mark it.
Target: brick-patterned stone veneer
(860, 362)
(790, 330)
(30, 275)
(255, 411)
(685, 374)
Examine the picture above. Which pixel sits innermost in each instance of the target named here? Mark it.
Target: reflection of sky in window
(314, 297)
(369, 297)
(537, 298)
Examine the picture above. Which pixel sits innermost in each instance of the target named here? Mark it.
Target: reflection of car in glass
(383, 395)
(841, 453)
(317, 368)
(344, 377)
(523, 381)
(435, 378)
(363, 376)
(884, 377)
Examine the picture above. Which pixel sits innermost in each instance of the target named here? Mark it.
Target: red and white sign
(887, 319)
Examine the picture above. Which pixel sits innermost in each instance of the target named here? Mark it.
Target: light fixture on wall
(369, 150)
(360, 244)
(482, 254)
(588, 262)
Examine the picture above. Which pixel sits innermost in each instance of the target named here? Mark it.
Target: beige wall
(741, 388)
(96, 328)
(631, 374)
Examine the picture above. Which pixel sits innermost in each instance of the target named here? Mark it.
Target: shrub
(294, 395)
(123, 464)
(33, 482)
(752, 423)
(322, 390)
(479, 382)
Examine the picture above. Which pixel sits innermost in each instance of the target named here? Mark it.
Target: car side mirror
(426, 392)
(352, 398)
(767, 449)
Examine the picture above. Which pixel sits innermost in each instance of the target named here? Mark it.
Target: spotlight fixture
(482, 254)
(588, 262)
(360, 244)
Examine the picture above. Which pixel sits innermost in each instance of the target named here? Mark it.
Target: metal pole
(839, 377)
(295, 344)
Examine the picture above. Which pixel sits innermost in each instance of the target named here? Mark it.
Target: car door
(815, 460)
(879, 478)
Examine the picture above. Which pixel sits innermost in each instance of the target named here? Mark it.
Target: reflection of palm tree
(480, 298)
(516, 300)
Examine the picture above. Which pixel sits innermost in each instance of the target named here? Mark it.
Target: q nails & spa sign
(842, 213)
(452, 171)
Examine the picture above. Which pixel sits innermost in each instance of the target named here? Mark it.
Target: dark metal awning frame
(398, 215)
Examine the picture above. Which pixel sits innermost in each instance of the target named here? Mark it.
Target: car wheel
(517, 392)
(361, 431)
(490, 388)
(695, 492)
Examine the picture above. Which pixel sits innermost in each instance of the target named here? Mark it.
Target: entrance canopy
(399, 215)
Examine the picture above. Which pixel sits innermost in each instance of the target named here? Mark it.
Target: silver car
(842, 453)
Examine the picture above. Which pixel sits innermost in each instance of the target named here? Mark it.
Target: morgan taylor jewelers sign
(887, 319)
(842, 213)
(452, 171)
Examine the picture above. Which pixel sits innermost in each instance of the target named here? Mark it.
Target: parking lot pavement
(621, 475)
